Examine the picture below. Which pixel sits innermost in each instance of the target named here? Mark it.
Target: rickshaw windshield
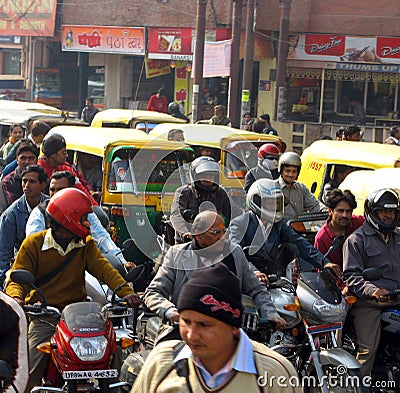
(241, 156)
(84, 316)
(134, 170)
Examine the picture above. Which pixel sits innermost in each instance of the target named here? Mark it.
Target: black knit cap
(213, 291)
(52, 144)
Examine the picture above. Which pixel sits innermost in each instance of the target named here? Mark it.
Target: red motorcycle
(84, 342)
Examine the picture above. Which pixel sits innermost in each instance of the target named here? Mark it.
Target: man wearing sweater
(66, 243)
(215, 355)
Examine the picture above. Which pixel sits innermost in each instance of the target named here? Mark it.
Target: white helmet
(265, 199)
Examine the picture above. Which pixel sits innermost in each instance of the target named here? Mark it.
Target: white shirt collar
(49, 242)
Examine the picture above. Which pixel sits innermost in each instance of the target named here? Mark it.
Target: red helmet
(268, 150)
(67, 208)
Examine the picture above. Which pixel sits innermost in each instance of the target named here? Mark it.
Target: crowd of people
(50, 218)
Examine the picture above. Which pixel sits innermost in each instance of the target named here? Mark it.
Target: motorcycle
(84, 342)
(314, 308)
(387, 361)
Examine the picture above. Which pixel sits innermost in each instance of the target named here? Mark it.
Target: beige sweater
(158, 374)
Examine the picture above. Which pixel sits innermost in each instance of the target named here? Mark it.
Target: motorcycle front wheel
(338, 380)
(72, 387)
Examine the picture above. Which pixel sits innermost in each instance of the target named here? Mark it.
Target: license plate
(113, 373)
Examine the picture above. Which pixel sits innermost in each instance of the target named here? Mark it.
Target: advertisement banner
(217, 59)
(181, 94)
(345, 49)
(34, 18)
(156, 67)
(123, 40)
(170, 43)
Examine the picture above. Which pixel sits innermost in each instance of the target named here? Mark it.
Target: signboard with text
(34, 18)
(126, 40)
(345, 49)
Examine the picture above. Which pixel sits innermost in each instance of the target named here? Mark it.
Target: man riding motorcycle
(374, 245)
(263, 230)
(58, 257)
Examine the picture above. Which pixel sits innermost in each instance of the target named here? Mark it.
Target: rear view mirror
(22, 277)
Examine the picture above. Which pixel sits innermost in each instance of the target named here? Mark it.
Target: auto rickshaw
(128, 118)
(139, 179)
(362, 182)
(235, 149)
(322, 159)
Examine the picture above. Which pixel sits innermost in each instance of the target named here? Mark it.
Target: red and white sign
(34, 18)
(388, 48)
(327, 45)
(127, 40)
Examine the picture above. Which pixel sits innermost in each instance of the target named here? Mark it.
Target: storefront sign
(368, 67)
(337, 48)
(34, 18)
(178, 43)
(127, 40)
(173, 44)
(156, 67)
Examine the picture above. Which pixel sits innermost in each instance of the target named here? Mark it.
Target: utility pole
(280, 93)
(248, 59)
(199, 58)
(235, 53)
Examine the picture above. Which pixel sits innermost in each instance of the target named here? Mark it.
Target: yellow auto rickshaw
(139, 179)
(128, 118)
(235, 149)
(322, 159)
(362, 182)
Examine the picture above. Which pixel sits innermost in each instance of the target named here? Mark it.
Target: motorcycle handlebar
(40, 310)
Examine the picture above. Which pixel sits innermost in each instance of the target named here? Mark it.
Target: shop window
(380, 98)
(96, 86)
(303, 99)
(349, 90)
(11, 62)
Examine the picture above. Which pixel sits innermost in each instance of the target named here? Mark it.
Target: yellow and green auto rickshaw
(132, 118)
(322, 159)
(139, 177)
(235, 149)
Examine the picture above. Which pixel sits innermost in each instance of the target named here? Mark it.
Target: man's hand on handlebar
(381, 295)
(263, 278)
(173, 316)
(334, 268)
(280, 322)
(133, 300)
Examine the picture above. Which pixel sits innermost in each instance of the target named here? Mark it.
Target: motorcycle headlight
(89, 348)
(329, 312)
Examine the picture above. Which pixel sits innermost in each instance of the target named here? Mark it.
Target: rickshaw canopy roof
(362, 182)
(125, 116)
(212, 135)
(94, 140)
(363, 154)
(30, 106)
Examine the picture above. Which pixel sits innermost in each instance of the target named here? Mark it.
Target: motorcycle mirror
(128, 244)
(189, 214)
(135, 273)
(6, 372)
(22, 277)
(372, 274)
(336, 243)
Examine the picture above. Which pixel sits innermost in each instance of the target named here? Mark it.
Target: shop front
(328, 74)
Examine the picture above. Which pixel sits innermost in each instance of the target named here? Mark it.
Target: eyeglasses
(216, 232)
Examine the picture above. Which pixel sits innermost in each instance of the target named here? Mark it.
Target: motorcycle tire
(72, 386)
(330, 371)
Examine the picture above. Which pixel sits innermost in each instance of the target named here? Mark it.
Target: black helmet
(384, 199)
(173, 107)
(205, 166)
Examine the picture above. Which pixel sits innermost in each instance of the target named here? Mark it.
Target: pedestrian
(248, 121)
(268, 129)
(359, 115)
(216, 354)
(220, 117)
(158, 102)
(352, 133)
(394, 136)
(89, 111)
(15, 133)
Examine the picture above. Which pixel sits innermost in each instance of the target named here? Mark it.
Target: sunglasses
(216, 232)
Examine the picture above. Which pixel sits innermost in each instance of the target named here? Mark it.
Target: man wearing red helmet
(268, 156)
(58, 257)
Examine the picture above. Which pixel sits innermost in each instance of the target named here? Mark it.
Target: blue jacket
(245, 230)
(12, 231)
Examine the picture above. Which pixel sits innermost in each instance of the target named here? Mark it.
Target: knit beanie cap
(52, 144)
(213, 291)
